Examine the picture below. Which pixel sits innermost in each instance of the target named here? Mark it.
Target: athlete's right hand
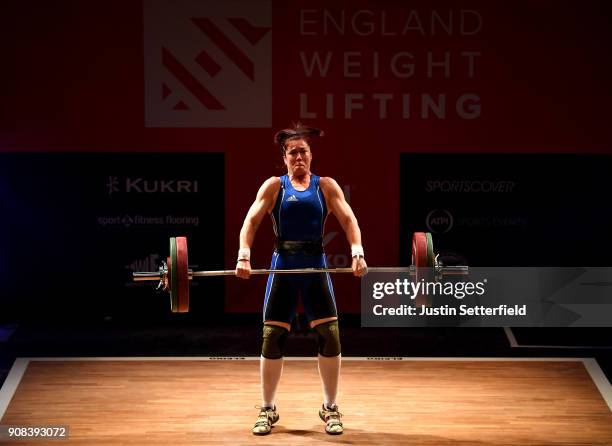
(243, 269)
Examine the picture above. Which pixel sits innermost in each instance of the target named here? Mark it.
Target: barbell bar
(174, 274)
(446, 270)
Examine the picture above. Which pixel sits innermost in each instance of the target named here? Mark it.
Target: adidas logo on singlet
(292, 198)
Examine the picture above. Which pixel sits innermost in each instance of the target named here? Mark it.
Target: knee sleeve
(274, 338)
(328, 338)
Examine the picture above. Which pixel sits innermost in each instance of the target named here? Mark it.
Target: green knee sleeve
(273, 341)
(329, 338)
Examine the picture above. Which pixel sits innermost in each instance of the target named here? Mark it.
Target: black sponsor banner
(509, 209)
(491, 297)
(75, 226)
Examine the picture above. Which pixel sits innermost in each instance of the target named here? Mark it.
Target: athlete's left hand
(359, 267)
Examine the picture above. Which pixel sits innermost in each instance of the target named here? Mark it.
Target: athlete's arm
(334, 197)
(263, 204)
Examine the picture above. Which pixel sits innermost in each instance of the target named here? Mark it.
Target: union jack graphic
(208, 64)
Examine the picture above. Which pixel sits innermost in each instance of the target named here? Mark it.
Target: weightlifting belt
(294, 247)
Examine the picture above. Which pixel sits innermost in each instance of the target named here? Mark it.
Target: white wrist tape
(244, 254)
(357, 251)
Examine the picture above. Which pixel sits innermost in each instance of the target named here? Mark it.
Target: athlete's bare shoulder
(268, 192)
(271, 185)
(328, 184)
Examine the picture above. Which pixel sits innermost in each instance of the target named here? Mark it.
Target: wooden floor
(169, 402)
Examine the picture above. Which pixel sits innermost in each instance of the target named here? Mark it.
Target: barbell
(174, 274)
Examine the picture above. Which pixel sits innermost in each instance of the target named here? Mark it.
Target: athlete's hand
(359, 266)
(243, 269)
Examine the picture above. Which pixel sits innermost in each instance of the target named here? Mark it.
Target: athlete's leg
(271, 363)
(320, 305)
(329, 359)
(271, 369)
(279, 306)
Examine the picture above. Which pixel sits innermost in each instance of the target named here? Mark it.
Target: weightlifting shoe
(332, 417)
(266, 418)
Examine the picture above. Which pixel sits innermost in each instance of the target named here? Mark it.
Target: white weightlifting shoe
(266, 418)
(332, 417)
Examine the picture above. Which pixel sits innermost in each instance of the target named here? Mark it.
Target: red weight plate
(182, 265)
(419, 250)
(420, 260)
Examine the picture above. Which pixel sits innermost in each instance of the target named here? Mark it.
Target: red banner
(381, 78)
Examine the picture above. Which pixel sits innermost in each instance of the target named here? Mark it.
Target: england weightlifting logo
(199, 55)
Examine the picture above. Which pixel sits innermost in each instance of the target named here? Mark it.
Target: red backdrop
(539, 71)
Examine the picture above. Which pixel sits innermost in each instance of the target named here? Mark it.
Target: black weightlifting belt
(296, 247)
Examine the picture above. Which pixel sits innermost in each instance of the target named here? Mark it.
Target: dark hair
(298, 131)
